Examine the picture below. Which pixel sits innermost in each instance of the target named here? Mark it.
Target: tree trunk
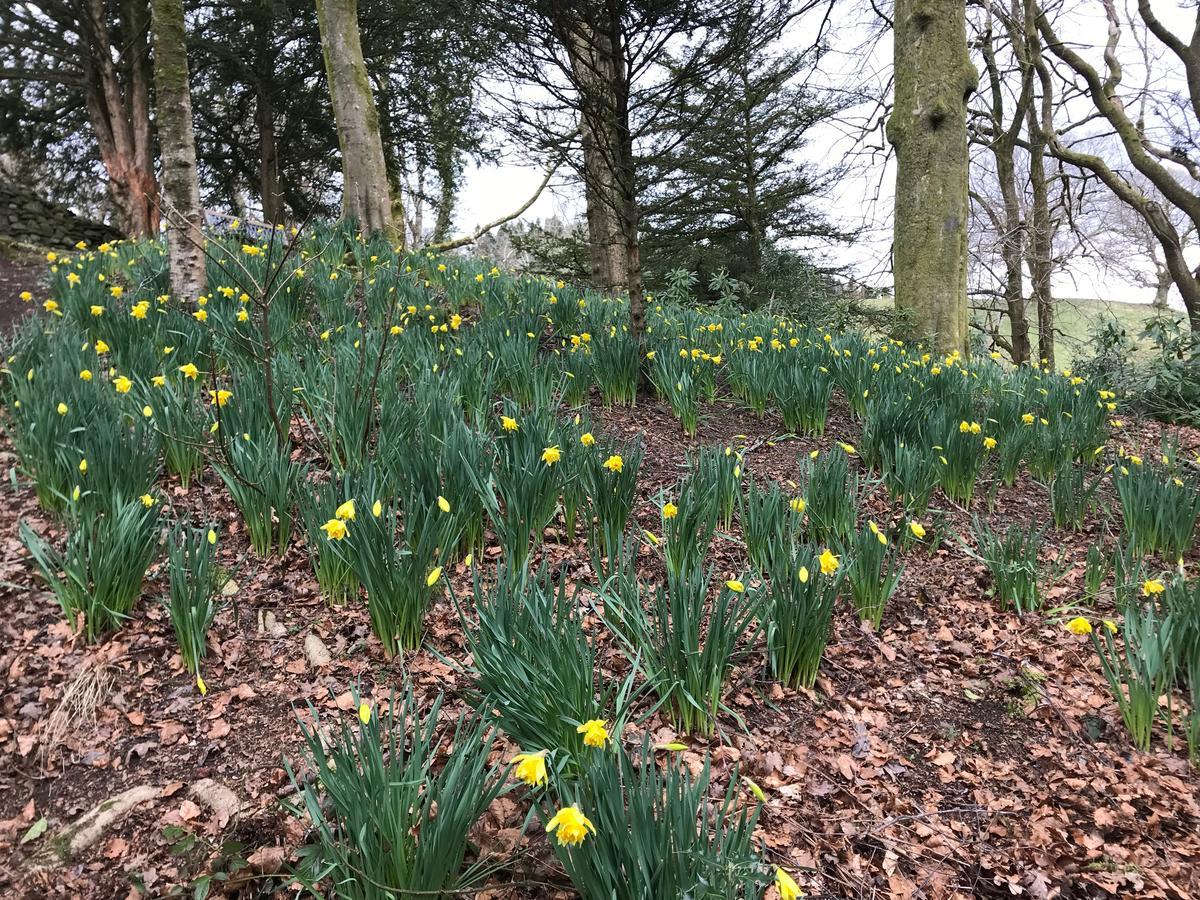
(120, 120)
(365, 194)
(595, 67)
(181, 184)
(444, 161)
(1162, 290)
(928, 127)
(268, 180)
(1041, 244)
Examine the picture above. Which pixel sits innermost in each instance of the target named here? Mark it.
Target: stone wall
(29, 219)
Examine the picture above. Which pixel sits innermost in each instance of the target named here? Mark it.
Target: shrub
(1142, 670)
(873, 573)
(1071, 495)
(798, 610)
(192, 586)
(832, 496)
(656, 832)
(98, 575)
(684, 662)
(402, 574)
(1159, 508)
(533, 664)
(609, 475)
(1012, 561)
(384, 823)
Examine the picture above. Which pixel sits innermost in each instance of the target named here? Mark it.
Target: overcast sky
(861, 201)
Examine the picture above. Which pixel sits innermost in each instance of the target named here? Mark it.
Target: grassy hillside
(1077, 318)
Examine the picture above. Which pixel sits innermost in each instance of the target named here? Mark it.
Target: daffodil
(335, 529)
(509, 423)
(572, 825)
(531, 768)
(122, 384)
(786, 885)
(189, 370)
(829, 562)
(364, 713)
(1152, 586)
(220, 397)
(917, 529)
(551, 455)
(1079, 625)
(345, 512)
(85, 374)
(586, 439)
(433, 576)
(614, 463)
(377, 509)
(62, 409)
(594, 733)
(443, 504)
(148, 500)
(670, 510)
(736, 586)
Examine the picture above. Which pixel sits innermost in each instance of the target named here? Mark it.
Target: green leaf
(36, 830)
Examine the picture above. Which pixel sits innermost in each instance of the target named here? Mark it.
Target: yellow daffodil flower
(335, 529)
(531, 767)
(1079, 625)
(572, 825)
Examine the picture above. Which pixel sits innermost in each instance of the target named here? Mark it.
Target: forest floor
(958, 752)
(19, 271)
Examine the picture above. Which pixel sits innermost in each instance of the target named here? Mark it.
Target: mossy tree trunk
(934, 77)
(366, 196)
(177, 142)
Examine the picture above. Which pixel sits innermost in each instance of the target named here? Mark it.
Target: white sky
(862, 200)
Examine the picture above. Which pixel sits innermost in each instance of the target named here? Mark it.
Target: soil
(19, 272)
(959, 752)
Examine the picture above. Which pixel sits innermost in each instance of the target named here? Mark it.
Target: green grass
(1076, 317)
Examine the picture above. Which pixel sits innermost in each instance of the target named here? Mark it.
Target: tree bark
(610, 189)
(181, 183)
(1162, 290)
(120, 119)
(366, 196)
(594, 65)
(1041, 245)
(1003, 147)
(268, 182)
(928, 128)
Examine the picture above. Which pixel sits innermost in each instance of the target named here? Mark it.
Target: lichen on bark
(934, 77)
(366, 196)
